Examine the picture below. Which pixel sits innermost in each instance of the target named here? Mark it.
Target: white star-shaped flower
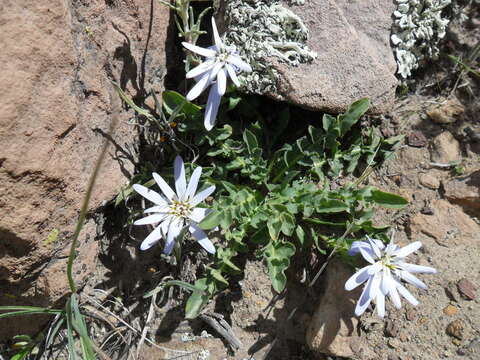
(221, 62)
(384, 274)
(175, 211)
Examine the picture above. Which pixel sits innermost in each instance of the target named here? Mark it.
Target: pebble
(391, 329)
(455, 329)
(447, 112)
(410, 314)
(451, 291)
(429, 181)
(466, 289)
(393, 343)
(450, 310)
(416, 139)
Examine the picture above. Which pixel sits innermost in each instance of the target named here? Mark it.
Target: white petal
(364, 300)
(413, 268)
(355, 247)
(168, 247)
(151, 239)
(200, 69)
(367, 254)
(394, 294)
(157, 209)
(374, 247)
(199, 50)
(238, 62)
(375, 268)
(173, 231)
(406, 294)
(412, 279)
(375, 286)
(149, 194)
(166, 189)
(193, 183)
(152, 219)
(197, 199)
(407, 250)
(232, 74)
(380, 300)
(216, 36)
(179, 175)
(202, 238)
(198, 214)
(357, 279)
(215, 70)
(222, 82)
(201, 85)
(386, 279)
(211, 110)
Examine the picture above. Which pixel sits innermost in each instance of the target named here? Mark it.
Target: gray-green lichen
(419, 26)
(260, 30)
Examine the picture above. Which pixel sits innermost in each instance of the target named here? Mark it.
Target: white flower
(175, 211)
(384, 274)
(221, 62)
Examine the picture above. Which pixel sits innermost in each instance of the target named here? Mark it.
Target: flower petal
(406, 294)
(380, 300)
(202, 238)
(152, 219)
(215, 70)
(238, 62)
(157, 209)
(198, 214)
(213, 103)
(375, 268)
(179, 175)
(149, 194)
(222, 82)
(200, 69)
(355, 247)
(374, 247)
(407, 250)
(199, 50)
(367, 254)
(232, 74)
(193, 183)
(166, 189)
(394, 294)
(413, 268)
(197, 199)
(173, 231)
(375, 286)
(364, 300)
(412, 279)
(357, 279)
(201, 85)
(151, 239)
(216, 36)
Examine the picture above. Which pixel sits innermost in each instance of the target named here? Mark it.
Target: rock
(465, 191)
(429, 181)
(450, 310)
(466, 289)
(410, 314)
(355, 60)
(452, 292)
(448, 222)
(59, 58)
(456, 329)
(446, 112)
(416, 139)
(332, 330)
(391, 329)
(446, 149)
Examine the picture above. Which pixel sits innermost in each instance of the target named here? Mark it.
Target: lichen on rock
(418, 27)
(262, 29)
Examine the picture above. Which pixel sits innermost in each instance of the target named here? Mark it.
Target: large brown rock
(465, 191)
(58, 60)
(333, 328)
(355, 60)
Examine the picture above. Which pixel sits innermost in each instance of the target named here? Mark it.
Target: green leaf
(353, 114)
(250, 140)
(26, 310)
(212, 220)
(172, 100)
(331, 206)
(197, 301)
(274, 226)
(277, 256)
(388, 200)
(51, 238)
(301, 236)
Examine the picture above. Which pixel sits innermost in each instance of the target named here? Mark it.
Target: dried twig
(217, 322)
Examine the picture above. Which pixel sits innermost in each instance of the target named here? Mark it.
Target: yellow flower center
(181, 209)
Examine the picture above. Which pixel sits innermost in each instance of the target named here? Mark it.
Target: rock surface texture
(355, 60)
(333, 328)
(59, 57)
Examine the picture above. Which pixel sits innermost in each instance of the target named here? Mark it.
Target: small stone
(394, 343)
(464, 192)
(446, 149)
(450, 310)
(416, 139)
(427, 210)
(466, 289)
(455, 329)
(429, 181)
(403, 337)
(422, 320)
(451, 291)
(393, 357)
(391, 329)
(447, 112)
(457, 342)
(410, 314)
